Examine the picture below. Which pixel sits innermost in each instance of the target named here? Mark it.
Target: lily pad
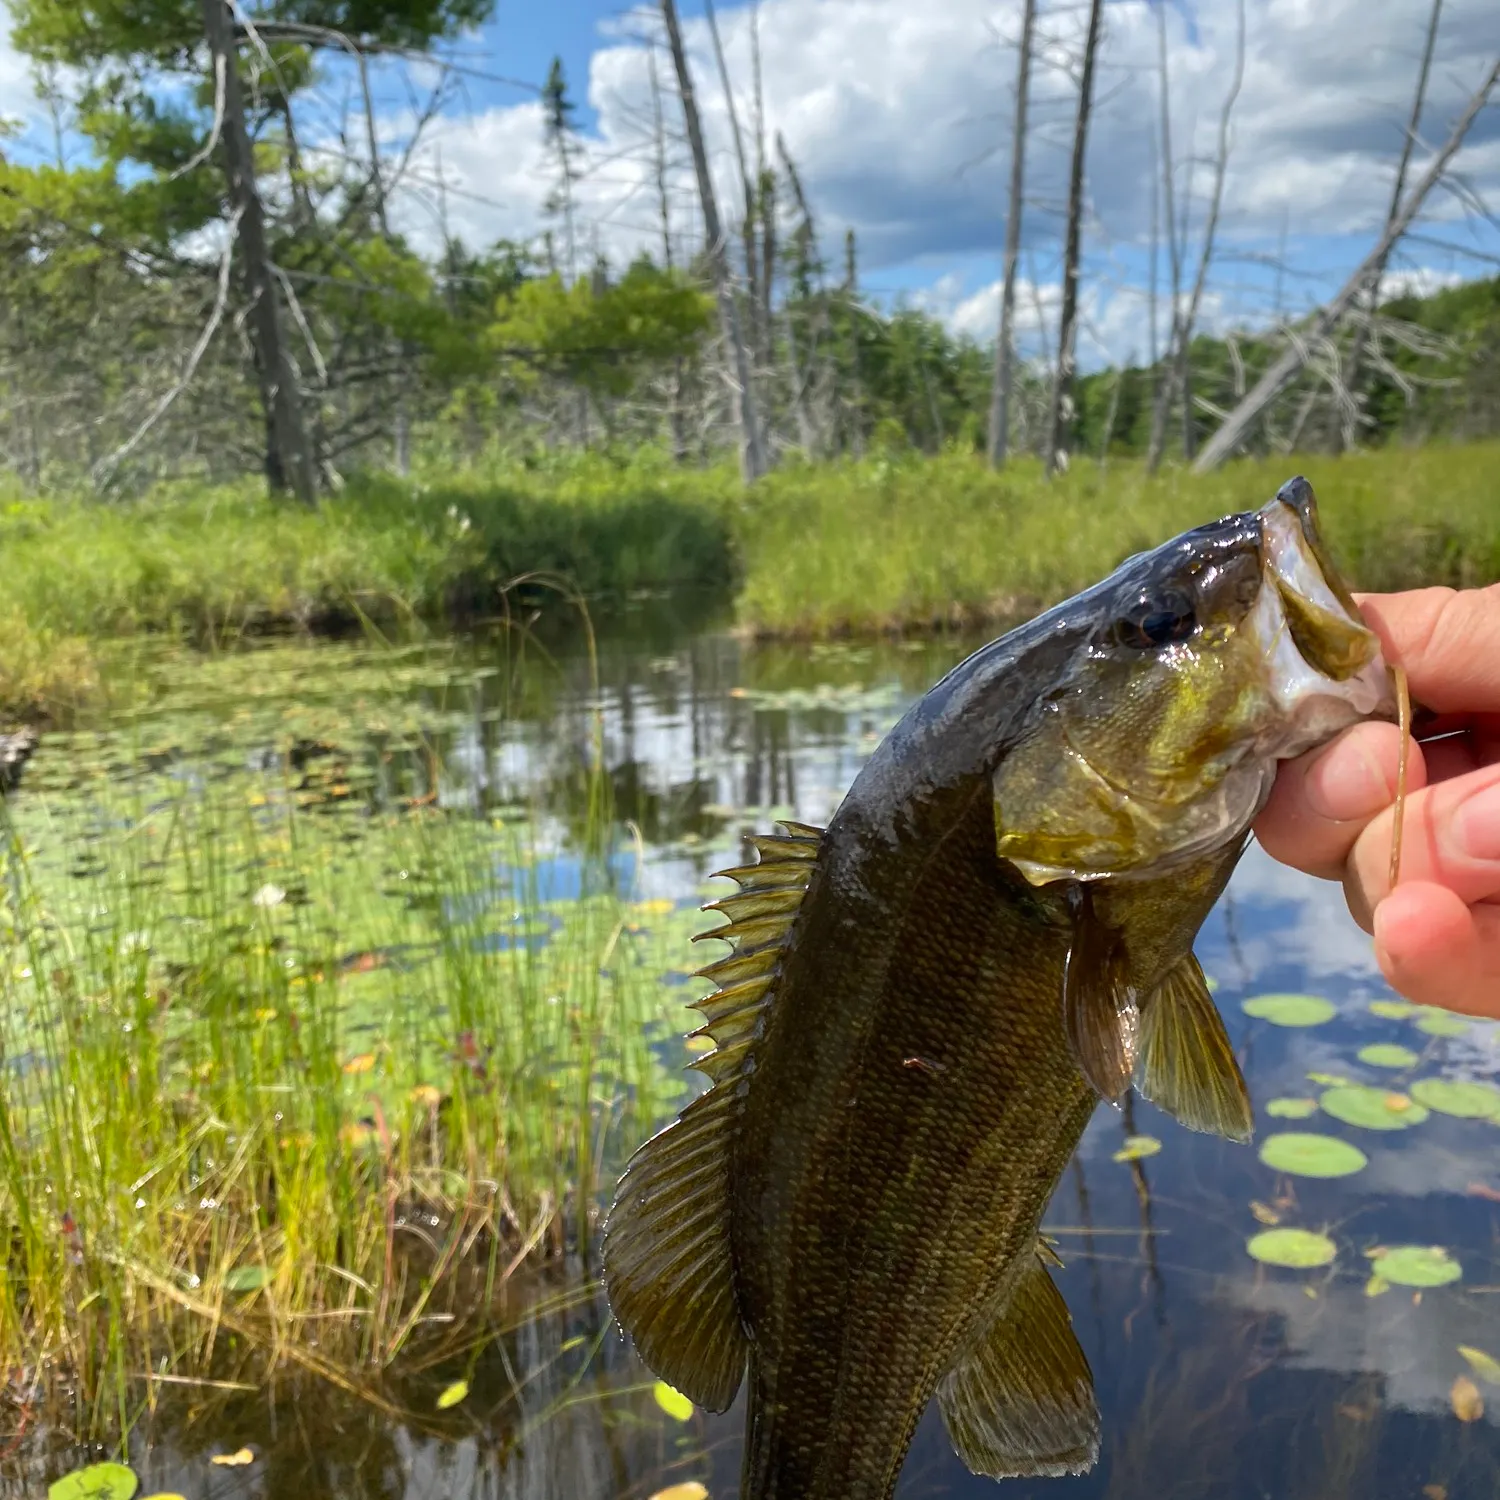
(1417, 1265)
(1485, 1366)
(247, 1278)
(1329, 1080)
(1291, 1109)
(1393, 1010)
(1307, 1155)
(1468, 1101)
(1372, 1109)
(1387, 1055)
(1298, 1249)
(1137, 1146)
(672, 1401)
(97, 1482)
(1290, 1010)
(1441, 1022)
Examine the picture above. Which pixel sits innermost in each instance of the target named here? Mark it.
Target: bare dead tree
(753, 462)
(747, 184)
(765, 198)
(664, 211)
(1346, 431)
(1164, 391)
(804, 246)
(999, 433)
(1060, 421)
(289, 459)
(1292, 359)
(1189, 316)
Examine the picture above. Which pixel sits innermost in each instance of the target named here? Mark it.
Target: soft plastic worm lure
(1403, 712)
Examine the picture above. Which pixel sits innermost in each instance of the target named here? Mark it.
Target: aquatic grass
(913, 541)
(894, 542)
(304, 1071)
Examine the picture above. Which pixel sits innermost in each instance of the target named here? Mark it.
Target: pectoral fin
(1099, 1007)
(1021, 1401)
(1187, 1066)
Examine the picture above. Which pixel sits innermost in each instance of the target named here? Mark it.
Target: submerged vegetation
(900, 540)
(300, 1066)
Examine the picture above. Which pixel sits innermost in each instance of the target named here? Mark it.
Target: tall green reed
(304, 1070)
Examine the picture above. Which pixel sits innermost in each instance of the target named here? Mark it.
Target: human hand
(1437, 935)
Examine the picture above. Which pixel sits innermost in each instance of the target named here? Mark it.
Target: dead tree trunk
(1345, 433)
(1060, 421)
(664, 209)
(1166, 386)
(747, 189)
(999, 435)
(1276, 379)
(1210, 231)
(289, 458)
(752, 449)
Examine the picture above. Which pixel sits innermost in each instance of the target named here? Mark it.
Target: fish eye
(1157, 619)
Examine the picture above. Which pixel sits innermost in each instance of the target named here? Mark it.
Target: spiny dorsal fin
(1021, 1400)
(1100, 1014)
(1187, 1066)
(668, 1264)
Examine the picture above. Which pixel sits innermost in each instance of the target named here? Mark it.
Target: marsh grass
(920, 542)
(301, 1075)
(891, 542)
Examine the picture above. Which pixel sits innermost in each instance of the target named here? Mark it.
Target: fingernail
(1476, 825)
(1347, 782)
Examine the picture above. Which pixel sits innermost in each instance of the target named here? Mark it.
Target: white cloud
(898, 118)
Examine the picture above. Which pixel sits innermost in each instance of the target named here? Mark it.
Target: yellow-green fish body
(927, 999)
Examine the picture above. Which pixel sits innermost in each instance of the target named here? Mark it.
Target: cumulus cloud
(898, 119)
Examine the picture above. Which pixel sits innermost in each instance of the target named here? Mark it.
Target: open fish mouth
(1323, 664)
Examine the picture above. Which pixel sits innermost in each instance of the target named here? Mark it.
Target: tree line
(216, 288)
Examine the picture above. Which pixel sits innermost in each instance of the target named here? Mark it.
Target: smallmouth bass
(925, 1002)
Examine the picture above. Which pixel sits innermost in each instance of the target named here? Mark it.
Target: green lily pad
(1306, 1155)
(1417, 1265)
(1441, 1022)
(1290, 1010)
(1137, 1146)
(671, 1401)
(1329, 1080)
(248, 1278)
(1468, 1101)
(1372, 1109)
(97, 1482)
(451, 1395)
(1393, 1010)
(1387, 1055)
(1291, 1109)
(1298, 1249)
(1485, 1366)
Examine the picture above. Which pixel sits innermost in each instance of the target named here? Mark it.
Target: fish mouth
(1323, 664)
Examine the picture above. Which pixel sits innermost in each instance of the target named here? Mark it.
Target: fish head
(1197, 667)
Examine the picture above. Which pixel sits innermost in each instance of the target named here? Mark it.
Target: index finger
(1448, 640)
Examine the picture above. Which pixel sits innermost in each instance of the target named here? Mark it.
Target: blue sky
(914, 156)
(897, 113)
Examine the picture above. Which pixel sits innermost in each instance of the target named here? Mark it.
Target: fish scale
(926, 1001)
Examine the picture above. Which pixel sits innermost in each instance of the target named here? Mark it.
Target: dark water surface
(1217, 1376)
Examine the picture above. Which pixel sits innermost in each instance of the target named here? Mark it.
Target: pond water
(1218, 1375)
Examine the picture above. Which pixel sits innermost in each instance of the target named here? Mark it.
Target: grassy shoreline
(897, 543)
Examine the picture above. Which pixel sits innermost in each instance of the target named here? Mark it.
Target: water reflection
(1218, 1377)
